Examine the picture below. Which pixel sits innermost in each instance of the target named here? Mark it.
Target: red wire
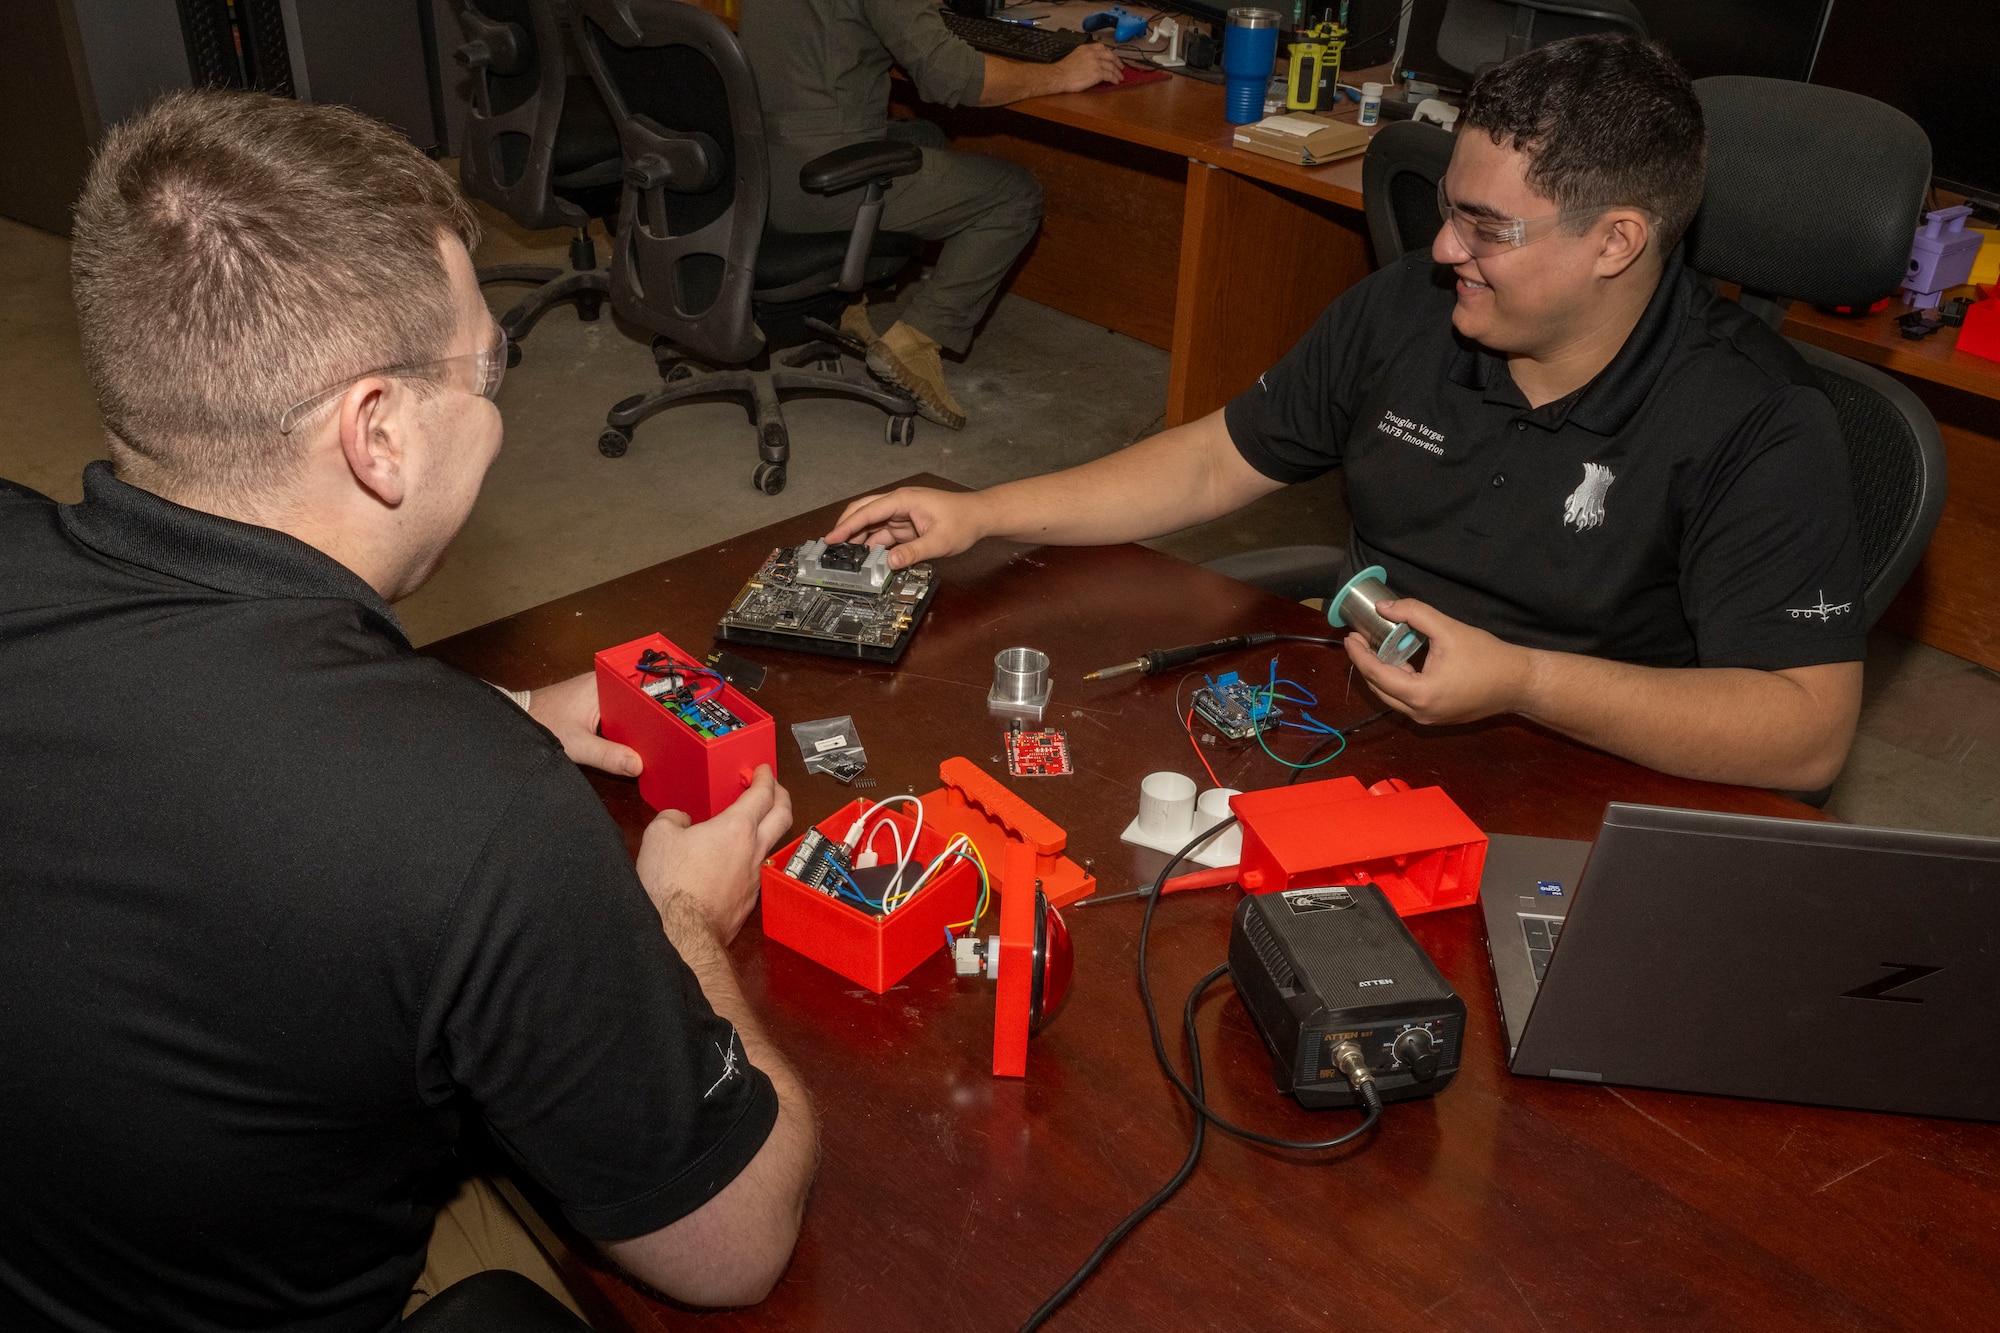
(1188, 726)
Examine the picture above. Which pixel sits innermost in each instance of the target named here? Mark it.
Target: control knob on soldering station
(1417, 1049)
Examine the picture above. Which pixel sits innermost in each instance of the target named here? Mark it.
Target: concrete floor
(1042, 390)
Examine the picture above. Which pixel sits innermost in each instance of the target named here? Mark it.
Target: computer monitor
(1770, 38)
(1940, 68)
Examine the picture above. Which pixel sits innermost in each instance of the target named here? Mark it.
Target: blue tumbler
(1249, 54)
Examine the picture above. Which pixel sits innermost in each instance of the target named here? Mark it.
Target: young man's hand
(915, 522)
(569, 709)
(1468, 674)
(713, 866)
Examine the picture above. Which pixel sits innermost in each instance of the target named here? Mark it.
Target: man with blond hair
(289, 908)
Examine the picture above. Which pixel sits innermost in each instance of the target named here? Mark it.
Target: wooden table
(950, 1200)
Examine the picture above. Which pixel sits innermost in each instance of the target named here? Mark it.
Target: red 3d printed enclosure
(1416, 845)
(684, 769)
(870, 949)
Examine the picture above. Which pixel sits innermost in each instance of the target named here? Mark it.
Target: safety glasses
(475, 372)
(1484, 235)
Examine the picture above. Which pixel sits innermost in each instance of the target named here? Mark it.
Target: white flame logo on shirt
(1585, 506)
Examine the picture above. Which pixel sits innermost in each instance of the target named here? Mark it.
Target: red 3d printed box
(873, 949)
(1416, 845)
(669, 707)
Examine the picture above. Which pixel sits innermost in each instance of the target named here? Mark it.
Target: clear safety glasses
(474, 372)
(1484, 235)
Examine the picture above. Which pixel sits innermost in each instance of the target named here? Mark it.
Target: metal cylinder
(1353, 607)
(1020, 681)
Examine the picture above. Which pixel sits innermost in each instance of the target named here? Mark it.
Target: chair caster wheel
(902, 430)
(589, 307)
(769, 478)
(675, 371)
(513, 354)
(614, 442)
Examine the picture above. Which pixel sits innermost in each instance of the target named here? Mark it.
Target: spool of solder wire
(1353, 607)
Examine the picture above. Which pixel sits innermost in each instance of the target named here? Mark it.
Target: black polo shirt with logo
(284, 904)
(1689, 506)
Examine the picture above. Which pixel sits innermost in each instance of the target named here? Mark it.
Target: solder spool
(1020, 682)
(1353, 607)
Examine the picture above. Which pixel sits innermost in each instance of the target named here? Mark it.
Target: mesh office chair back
(539, 143)
(696, 176)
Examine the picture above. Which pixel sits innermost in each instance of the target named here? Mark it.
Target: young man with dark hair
(286, 904)
(1613, 501)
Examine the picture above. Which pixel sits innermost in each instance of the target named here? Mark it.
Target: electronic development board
(785, 605)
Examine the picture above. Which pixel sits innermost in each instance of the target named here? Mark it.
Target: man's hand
(1468, 674)
(569, 710)
(1086, 67)
(919, 523)
(713, 866)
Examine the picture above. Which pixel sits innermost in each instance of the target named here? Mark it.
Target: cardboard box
(1309, 141)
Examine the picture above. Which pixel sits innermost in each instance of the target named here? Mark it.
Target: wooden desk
(950, 1200)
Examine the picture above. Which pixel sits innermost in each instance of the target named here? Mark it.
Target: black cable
(1193, 1094)
(1343, 734)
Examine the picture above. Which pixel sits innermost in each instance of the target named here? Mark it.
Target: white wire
(868, 843)
(903, 852)
(957, 844)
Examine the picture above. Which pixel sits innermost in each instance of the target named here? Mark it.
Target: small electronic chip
(1038, 754)
(821, 863)
(1236, 708)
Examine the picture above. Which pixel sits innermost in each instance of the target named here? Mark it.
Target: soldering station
(1350, 1010)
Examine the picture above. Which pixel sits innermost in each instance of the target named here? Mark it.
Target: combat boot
(907, 359)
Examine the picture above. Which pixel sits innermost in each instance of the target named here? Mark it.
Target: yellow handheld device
(1318, 47)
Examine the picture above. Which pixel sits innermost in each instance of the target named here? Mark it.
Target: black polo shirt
(283, 903)
(1689, 506)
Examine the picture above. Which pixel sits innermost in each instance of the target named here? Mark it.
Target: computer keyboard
(1541, 934)
(1040, 46)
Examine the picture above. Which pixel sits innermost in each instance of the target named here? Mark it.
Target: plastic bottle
(1371, 104)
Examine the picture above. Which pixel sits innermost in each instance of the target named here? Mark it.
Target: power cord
(1347, 1056)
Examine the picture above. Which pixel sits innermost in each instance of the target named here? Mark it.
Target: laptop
(1752, 957)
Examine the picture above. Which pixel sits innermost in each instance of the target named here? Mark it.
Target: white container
(1371, 104)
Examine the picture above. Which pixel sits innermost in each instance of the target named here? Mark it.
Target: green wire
(1315, 763)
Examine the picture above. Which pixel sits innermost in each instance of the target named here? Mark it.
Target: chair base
(762, 393)
(583, 283)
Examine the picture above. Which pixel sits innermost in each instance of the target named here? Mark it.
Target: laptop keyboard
(1541, 934)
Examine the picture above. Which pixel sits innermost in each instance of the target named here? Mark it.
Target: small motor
(1054, 960)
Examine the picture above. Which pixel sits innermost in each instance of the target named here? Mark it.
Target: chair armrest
(858, 163)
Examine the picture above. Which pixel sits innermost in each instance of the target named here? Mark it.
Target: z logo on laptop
(1904, 975)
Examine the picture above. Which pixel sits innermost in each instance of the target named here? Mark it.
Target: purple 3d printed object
(1941, 257)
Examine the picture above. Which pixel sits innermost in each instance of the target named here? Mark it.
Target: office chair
(1813, 195)
(1399, 180)
(1773, 143)
(540, 147)
(696, 260)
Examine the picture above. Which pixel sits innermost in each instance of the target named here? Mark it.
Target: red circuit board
(1038, 754)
